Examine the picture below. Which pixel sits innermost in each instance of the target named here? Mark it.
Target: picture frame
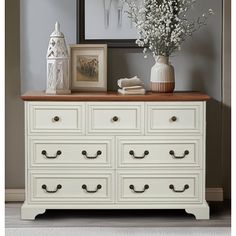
(82, 28)
(88, 67)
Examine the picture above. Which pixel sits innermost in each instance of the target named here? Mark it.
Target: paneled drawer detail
(56, 152)
(174, 117)
(154, 152)
(115, 118)
(80, 186)
(148, 187)
(56, 117)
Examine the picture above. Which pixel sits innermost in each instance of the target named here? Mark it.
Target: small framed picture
(88, 67)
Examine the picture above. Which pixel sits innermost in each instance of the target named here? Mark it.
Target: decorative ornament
(57, 64)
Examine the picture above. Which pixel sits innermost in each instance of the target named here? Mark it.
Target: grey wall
(198, 67)
(14, 106)
(37, 23)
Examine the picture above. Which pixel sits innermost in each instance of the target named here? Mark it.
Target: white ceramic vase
(162, 76)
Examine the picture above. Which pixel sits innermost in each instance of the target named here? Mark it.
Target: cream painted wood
(29, 212)
(154, 152)
(115, 118)
(71, 183)
(90, 127)
(64, 152)
(201, 212)
(174, 117)
(54, 117)
(158, 186)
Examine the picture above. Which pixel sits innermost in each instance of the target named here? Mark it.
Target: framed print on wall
(105, 21)
(88, 67)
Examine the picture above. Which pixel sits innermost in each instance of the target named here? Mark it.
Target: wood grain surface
(114, 96)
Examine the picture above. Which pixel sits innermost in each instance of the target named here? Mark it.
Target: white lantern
(57, 64)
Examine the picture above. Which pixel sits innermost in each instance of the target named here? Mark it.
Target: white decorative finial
(57, 26)
(57, 32)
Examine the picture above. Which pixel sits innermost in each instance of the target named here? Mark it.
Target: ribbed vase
(162, 76)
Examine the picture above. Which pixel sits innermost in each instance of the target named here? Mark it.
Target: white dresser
(109, 151)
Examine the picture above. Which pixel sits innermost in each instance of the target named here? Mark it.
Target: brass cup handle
(172, 153)
(186, 186)
(174, 118)
(56, 118)
(115, 118)
(84, 186)
(51, 157)
(146, 186)
(44, 186)
(131, 152)
(91, 157)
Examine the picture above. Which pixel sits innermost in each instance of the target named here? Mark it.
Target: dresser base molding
(200, 211)
(29, 212)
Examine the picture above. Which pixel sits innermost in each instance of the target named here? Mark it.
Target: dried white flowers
(163, 25)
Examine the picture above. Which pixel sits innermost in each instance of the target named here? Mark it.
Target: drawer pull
(51, 157)
(186, 186)
(56, 118)
(89, 157)
(131, 152)
(84, 186)
(51, 191)
(146, 186)
(172, 153)
(174, 118)
(115, 118)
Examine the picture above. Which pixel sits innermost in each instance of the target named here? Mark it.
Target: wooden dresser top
(114, 96)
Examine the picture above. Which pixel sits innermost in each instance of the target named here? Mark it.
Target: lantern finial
(57, 26)
(57, 32)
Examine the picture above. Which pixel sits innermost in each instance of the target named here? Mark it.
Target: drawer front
(146, 152)
(55, 152)
(56, 117)
(71, 187)
(152, 187)
(173, 117)
(115, 117)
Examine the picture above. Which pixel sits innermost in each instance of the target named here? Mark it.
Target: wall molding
(18, 195)
(14, 195)
(215, 194)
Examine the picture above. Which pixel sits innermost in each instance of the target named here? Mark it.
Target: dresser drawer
(159, 186)
(76, 152)
(80, 186)
(155, 152)
(115, 117)
(175, 117)
(56, 117)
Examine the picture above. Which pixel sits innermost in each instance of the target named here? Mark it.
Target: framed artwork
(105, 21)
(88, 67)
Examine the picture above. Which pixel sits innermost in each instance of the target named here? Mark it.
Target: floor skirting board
(18, 195)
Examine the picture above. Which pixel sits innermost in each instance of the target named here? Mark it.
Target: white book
(132, 88)
(132, 92)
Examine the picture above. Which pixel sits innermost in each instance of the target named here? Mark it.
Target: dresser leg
(200, 212)
(30, 212)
